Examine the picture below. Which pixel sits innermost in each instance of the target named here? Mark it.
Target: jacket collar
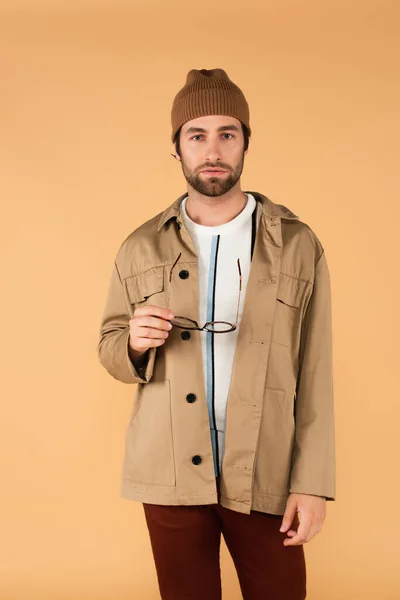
(270, 209)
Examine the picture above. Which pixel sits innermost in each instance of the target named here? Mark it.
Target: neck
(215, 210)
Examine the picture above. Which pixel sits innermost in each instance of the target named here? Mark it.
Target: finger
(295, 525)
(291, 532)
(149, 332)
(153, 310)
(154, 322)
(288, 517)
(302, 532)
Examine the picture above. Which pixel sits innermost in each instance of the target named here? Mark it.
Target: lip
(214, 172)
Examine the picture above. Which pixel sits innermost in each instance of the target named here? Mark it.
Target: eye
(198, 135)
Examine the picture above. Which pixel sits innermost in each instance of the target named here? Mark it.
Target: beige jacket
(280, 413)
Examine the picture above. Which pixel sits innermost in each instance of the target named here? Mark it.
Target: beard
(213, 186)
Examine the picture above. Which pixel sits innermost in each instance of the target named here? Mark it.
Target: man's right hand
(149, 327)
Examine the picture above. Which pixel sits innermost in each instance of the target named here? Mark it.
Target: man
(219, 308)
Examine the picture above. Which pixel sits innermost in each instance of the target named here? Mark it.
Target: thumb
(288, 517)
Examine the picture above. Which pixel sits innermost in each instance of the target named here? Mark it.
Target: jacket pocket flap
(143, 285)
(291, 290)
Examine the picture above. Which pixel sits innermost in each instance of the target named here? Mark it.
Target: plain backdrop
(86, 93)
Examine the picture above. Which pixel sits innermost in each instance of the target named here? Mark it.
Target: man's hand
(312, 512)
(149, 327)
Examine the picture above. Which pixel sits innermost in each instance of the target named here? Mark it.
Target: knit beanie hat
(208, 92)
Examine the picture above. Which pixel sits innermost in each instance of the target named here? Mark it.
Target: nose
(213, 150)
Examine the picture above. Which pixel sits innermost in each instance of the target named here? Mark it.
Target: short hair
(245, 130)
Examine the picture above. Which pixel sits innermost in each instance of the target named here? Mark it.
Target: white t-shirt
(218, 248)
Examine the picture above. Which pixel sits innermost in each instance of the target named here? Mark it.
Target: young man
(219, 308)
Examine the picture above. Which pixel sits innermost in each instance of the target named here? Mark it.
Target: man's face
(212, 141)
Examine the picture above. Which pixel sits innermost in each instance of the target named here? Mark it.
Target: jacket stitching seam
(297, 278)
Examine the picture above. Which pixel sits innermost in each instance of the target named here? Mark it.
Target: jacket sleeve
(112, 347)
(313, 459)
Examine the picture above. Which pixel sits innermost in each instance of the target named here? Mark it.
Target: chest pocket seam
(145, 284)
(291, 291)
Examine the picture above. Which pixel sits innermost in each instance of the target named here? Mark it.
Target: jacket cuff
(293, 490)
(144, 373)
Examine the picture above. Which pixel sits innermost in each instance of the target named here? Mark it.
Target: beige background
(87, 89)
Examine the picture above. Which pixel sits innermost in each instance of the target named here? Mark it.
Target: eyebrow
(222, 128)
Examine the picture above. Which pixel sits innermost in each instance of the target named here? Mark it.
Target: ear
(176, 156)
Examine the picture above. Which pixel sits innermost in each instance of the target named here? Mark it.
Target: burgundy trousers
(185, 542)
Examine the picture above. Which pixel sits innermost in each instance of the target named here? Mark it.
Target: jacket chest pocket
(148, 287)
(289, 309)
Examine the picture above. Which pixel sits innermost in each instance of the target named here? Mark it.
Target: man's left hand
(311, 510)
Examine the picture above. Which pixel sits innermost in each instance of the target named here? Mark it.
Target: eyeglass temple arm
(240, 289)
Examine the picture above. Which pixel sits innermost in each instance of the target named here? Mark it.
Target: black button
(183, 274)
(185, 335)
(191, 397)
(196, 459)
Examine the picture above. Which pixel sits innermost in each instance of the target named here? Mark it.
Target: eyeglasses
(212, 326)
